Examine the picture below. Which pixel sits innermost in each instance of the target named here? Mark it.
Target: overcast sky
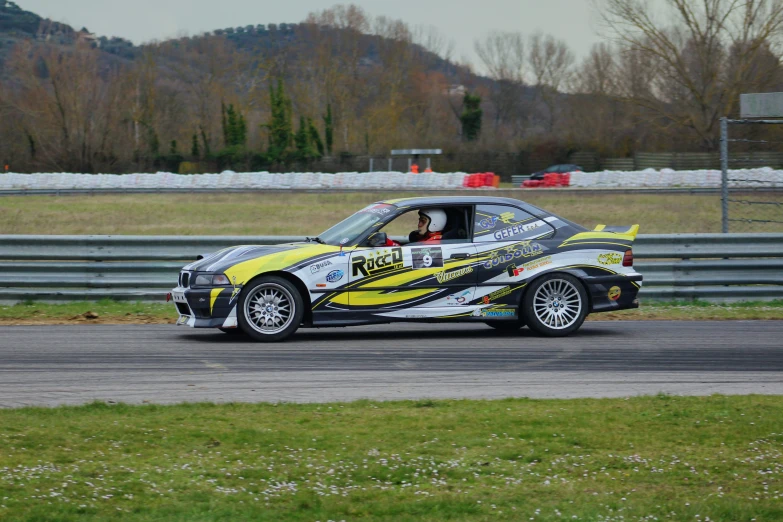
(461, 21)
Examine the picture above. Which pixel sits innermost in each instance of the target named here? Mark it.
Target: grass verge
(116, 312)
(262, 213)
(643, 458)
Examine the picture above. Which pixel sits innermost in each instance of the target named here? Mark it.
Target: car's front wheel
(270, 309)
(555, 305)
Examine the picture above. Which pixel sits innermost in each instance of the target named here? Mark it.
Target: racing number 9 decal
(431, 257)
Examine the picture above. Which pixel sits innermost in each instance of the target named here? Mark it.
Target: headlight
(211, 279)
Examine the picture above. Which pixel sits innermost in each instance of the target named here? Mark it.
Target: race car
(493, 260)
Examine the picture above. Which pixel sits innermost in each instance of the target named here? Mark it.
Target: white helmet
(437, 218)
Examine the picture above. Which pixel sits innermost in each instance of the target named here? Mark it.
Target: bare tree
(691, 49)
(551, 63)
(503, 56)
(68, 106)
(598, 72)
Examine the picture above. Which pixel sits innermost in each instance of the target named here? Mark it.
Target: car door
(417, 275)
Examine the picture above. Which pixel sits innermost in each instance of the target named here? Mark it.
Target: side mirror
(378, 239)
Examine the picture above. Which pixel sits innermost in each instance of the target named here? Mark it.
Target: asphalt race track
(51, 365)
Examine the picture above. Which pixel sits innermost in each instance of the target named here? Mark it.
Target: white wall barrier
(233, 180)
(762, 177)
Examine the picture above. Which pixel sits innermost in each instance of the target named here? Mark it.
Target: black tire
(506, 326)
(555, 305)
(281, 314)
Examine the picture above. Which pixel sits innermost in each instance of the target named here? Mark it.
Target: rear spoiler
(630, 231)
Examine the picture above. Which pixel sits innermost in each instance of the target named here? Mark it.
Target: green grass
(646, 458)
(114, 312)
(308, 214)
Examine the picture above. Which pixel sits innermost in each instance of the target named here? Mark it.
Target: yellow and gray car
(500, 261)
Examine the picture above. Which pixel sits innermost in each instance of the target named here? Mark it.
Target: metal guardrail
(144, 268)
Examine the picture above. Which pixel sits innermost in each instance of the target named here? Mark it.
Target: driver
(432, 221)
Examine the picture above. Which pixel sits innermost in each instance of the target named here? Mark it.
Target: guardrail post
(724, 167)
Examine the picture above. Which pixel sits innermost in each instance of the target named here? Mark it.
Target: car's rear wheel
(555, 305)
(270, 309)
(506, 326)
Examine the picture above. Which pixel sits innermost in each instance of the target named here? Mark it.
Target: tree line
(343, 83)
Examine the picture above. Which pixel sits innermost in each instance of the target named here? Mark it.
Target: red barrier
(481, 179)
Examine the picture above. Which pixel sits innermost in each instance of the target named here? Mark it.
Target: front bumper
(206, 307)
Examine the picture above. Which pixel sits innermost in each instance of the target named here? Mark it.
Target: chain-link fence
(752, 197)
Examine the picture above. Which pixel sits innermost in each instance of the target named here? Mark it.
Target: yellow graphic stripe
(246, 270)
(398, 279)
(213, 295)
(603, 237)
(380, 297)
(599, 228)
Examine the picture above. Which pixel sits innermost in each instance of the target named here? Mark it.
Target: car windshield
(348, 230)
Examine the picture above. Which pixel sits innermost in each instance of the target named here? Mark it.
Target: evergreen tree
(302, 140)
(315, 138)
(31, 145)
(471, 117)
(234, 127)
(205, 141)
(194, 151)
(328, 130)
(241, 130)
(154, 142)
(280, 127)
(173, 147)
(224, 123)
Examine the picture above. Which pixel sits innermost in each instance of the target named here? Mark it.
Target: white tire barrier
(233, 180)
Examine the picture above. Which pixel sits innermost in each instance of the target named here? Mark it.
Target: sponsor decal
(497, 294)
(538, 263)
(515, 230)
(442, 277)
(236, 291)
(523, 249)
(334, 276)
(477, 312)
(380, 210)
(488, 222)
(513, 271)
(377, 261)
(431, 257)
(317, 267)
(498, 312)
(415, 316)
(457, 299)
(610, 259)
(614, 293)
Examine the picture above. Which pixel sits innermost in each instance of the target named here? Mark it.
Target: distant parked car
(560, 169)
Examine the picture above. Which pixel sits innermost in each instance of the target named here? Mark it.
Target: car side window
(506, 223)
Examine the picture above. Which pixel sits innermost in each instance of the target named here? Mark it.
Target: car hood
(243, 262)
